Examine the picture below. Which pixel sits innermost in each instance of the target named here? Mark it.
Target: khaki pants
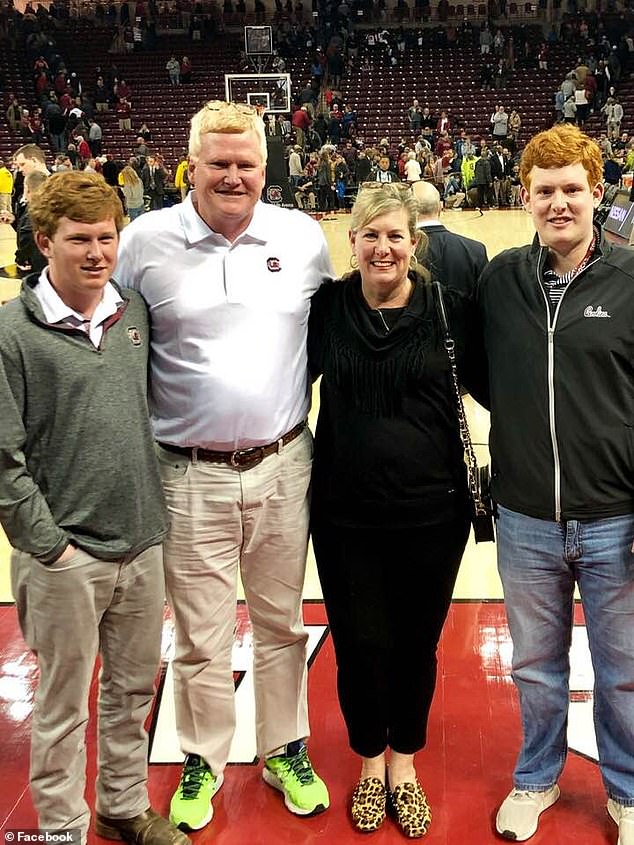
(225, 521)
(69, 612)
(5, 202)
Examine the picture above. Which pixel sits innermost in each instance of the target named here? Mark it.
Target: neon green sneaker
(190, 807)
(292, 773)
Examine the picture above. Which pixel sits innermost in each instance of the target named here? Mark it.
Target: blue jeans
(539, 563)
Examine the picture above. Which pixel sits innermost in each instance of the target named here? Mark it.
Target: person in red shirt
(124, 110)
(301, 124)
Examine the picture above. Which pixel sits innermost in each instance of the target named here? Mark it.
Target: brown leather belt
(241, 458)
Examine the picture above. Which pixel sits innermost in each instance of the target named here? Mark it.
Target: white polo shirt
(229, 322)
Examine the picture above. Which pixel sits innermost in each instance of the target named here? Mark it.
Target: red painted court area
(465, 769)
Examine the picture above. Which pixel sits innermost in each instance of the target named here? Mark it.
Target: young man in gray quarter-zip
(559, 330)
(81, 503)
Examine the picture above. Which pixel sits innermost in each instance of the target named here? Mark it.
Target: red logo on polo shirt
(273, 264)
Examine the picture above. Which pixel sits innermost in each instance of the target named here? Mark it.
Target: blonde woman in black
(390, 511)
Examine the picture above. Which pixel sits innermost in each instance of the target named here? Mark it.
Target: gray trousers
(70, 612)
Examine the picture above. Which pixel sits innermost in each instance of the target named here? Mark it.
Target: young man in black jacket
(559, 331)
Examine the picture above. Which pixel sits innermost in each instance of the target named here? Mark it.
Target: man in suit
(153, 177)
(501, 169)
(454, 260)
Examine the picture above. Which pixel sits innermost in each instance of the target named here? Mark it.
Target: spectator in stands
(301, 123)
(467, 170)
(186, 70)
(613, 112)
(295, 166)
(144, 132)
(122, 89)
(570, 109)
(181, 177)
(25, 126)
(452, 259)
(363, 168)
(305, 192)
(583, 107)
(412, 168)
(87, 562)
(325, 181)
(612, 170)
(348, 122)
(500, 75)
(443, 125)
(486, 39)
(28, 159)
(428, 125)
(6, 187)
(132, 188)
(383, 173)
(499, 123)
(482, 179)
(500, 172)
(173, 69)
(28, 257)
(443, 144)
(516, 200)
(83, 149)
(415, 117)
(499, 44)
(454, 193)
(342, 175)
(124, 112)
(95, 135)
(202, 568)
(102, 96)
(153, 176)
(486, 76)
(514, 126)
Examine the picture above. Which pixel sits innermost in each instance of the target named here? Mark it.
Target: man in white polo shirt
(228, 280)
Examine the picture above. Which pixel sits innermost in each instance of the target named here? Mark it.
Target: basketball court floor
(474, 727)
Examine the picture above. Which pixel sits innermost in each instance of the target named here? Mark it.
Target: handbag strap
(463, 427)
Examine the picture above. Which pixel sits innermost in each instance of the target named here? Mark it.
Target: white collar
(56, 310)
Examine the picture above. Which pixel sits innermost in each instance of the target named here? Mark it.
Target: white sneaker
(624, 817)
(519, 814)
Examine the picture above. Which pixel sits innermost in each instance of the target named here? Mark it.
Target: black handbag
(479, 478)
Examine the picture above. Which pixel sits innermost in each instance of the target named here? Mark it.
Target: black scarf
(370, 369)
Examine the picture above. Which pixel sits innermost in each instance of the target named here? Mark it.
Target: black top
(387, 448)
(562, 440)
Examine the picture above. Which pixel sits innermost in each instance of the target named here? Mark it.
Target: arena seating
(439, 78)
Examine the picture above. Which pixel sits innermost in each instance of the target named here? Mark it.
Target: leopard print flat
(409, 805)
(368, 803)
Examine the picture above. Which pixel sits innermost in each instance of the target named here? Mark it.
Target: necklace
(385, 325)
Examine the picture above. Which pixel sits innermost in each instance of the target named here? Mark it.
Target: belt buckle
(247, 458)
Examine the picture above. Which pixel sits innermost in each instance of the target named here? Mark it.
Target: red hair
(560, 146)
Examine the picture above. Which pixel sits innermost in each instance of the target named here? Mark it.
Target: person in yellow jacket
(181, 179)
(6, 187)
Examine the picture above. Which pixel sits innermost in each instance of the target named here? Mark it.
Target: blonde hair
(386, 197)
(558, 147)
(226, 119)
(129, 176)
(77, 195)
